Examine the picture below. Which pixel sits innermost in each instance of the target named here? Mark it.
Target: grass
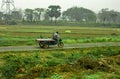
(67, 64)
(26, 35)
(84, 63)
(93, 76)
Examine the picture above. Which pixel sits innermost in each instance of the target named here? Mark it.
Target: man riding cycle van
(56, 36)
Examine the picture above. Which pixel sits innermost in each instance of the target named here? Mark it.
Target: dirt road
(66, 46)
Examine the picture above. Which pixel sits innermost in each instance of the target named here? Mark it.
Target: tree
(1, 15)
(16, 15)
(113, 16)
(108, 16)
(54, 11)
(79, 14)
(57, 13)
(103, 15)
(38, 12)
(35, 16)
(46, 16)
(7, 18)
(29, 14)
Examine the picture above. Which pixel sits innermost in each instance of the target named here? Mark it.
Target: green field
(26, 35)
(85, 63)
(81, 63)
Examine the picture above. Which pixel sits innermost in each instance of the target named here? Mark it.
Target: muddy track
(66, 46)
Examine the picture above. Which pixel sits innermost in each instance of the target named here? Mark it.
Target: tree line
(53, 14)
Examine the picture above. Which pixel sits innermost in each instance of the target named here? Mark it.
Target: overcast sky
(94, 5)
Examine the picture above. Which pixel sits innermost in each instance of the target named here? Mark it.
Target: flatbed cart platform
(45, 43)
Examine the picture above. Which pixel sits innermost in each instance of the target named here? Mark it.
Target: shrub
(88, 62)
(18, 64)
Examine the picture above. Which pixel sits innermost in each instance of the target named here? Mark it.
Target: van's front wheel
(61, 45)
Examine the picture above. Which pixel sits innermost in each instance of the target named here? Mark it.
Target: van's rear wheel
(41, 44)
(45, 46)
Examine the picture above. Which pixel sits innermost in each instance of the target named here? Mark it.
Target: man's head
(57, 32)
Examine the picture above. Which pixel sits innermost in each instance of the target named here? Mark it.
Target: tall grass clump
(92, 76)
(73, 57)
(58, 54)
(56, 76)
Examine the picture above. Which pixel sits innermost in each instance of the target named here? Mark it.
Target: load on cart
(56, 40)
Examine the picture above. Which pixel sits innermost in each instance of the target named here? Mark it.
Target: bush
(88, 62)
(18, 64)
